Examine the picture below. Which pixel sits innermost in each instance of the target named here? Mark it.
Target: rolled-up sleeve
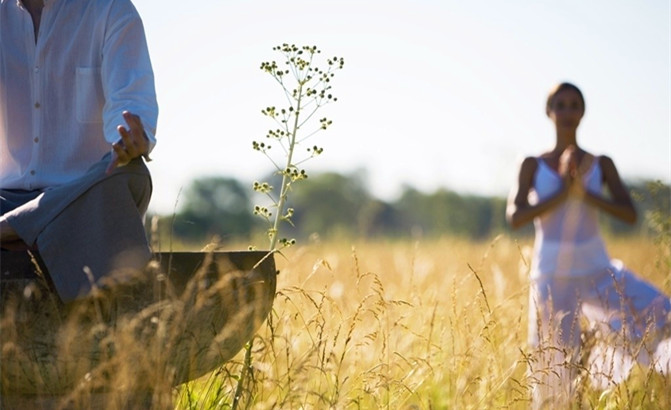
(127, 75)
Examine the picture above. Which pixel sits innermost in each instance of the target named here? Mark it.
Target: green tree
(446, 212)
(378, 218)
(329, 203)
(214, 206)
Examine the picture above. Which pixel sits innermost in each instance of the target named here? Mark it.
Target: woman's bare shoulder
(607, 164)
(528, 166)
(605, 160)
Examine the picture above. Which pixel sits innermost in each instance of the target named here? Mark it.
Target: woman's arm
(518, 211)
(619, 204)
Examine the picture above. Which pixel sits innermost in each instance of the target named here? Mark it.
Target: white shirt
(62, 98)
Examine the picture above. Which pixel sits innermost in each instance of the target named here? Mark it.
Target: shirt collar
(46, 2)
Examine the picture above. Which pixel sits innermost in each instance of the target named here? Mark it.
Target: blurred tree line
(332, 204)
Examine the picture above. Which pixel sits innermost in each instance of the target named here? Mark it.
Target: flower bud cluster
(262, 187)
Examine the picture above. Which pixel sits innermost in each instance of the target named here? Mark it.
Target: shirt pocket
(89, 95)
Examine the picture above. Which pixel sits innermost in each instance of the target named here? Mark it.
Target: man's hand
(132, 144)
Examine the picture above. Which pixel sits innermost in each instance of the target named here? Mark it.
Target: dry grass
(127, 344)
(435, 324)
(427, 325)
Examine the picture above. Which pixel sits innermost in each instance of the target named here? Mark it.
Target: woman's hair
(559, 88)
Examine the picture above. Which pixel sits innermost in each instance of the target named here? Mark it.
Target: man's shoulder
(107, 10)
(102, 4)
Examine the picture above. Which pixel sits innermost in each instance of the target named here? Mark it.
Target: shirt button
(36, 139)
(36, 70)
(37, 105)
(32, 172)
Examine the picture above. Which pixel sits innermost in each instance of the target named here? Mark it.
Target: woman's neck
(565, 139)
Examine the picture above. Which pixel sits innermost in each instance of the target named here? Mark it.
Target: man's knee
(135, 180)
(11, 199)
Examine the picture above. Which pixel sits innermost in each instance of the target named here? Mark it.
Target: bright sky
(446, 93)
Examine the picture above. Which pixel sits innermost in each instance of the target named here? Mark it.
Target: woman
(572, 275)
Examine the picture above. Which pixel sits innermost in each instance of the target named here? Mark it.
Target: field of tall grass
(397, 324)
(425, 324)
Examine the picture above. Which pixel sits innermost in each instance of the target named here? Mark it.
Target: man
(78, 112)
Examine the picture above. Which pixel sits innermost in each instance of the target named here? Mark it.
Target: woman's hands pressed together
(570, 171)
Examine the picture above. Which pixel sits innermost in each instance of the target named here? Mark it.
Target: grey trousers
(88, 230)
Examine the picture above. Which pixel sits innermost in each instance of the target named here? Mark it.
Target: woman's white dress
(576, 286)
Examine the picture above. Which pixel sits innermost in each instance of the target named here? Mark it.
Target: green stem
(246, 367)
(285, 177)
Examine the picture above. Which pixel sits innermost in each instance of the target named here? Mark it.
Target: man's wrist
(146, 154)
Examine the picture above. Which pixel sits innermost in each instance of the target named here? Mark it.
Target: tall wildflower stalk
(307, 88)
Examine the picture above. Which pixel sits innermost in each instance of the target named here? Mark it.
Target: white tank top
(568, 242)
